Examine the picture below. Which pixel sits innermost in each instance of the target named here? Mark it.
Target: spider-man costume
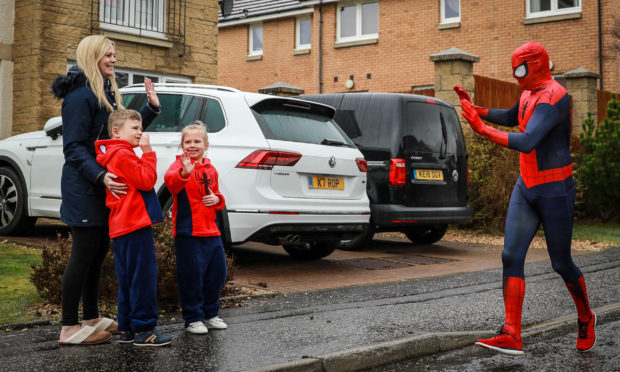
(544, 193)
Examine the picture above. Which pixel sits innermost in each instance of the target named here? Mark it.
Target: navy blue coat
(84, 121)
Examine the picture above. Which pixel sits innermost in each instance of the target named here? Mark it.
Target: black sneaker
(154, 337)
(126, 337)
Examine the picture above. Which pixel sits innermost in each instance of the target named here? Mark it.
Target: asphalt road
(322, 327)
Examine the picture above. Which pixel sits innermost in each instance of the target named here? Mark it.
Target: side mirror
(226, 6)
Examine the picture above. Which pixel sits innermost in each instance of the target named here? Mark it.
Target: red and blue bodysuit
(544, 193)
(201, 261)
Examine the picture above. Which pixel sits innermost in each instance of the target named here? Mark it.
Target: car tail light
(265, 159)
(398, 172)
(362, 164)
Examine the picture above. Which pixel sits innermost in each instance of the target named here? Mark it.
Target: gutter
(320, 53)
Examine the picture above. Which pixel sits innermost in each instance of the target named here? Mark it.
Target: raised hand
(471, 115)
(463, 95)
(145, 143)
(188, 167)
(149, 86)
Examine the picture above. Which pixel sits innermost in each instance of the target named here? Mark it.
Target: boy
(131, 217)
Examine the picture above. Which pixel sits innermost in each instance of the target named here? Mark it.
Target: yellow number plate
(327, 183)
(428, 174)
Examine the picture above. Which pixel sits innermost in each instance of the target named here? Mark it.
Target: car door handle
(32, 148)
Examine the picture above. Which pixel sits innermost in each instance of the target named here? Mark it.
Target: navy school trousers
(201, 275)
(136, 272)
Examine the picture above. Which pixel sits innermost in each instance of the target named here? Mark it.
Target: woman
(89, 93)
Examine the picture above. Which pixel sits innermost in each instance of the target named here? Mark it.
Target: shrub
(493, 171)
(598, 165)
(47, 276)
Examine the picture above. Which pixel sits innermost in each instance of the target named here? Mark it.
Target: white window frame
(130, 24)
(444, 19)
(298, 45)
(162, 78)
(358, 22)
(550, 13)
(251, 51)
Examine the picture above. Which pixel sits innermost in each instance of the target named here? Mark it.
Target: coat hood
(74, 79)
(106, 148)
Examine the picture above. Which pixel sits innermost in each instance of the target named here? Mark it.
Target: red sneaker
(503, 343)
(586, 336)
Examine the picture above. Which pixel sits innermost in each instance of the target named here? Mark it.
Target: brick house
(166, 40)
(324, 46)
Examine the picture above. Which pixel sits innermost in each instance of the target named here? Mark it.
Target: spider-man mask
(530, 66)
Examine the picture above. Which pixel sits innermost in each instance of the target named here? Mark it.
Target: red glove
(464, 96)
(471, 114)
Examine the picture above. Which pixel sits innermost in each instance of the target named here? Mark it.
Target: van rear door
(434, 150)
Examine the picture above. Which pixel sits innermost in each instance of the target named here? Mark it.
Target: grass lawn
(16, 290)
(597, 232)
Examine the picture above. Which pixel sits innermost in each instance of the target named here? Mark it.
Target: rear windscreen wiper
(329, 142)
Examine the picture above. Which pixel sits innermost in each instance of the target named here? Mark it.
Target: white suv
(290, 176)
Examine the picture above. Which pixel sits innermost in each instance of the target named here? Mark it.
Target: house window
(143, 17)
(126, 77)
(450, 11)
(303, 28)
(546, 8)
(256, 39)
(358, 21)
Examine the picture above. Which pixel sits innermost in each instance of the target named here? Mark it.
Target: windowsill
(446, 26)
(551, 18)
(254, 58)
(137, 39)
(299, 52)
(347, 44)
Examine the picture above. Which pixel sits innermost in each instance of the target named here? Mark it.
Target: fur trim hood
(63, 85)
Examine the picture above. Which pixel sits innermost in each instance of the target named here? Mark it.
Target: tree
(598, 166)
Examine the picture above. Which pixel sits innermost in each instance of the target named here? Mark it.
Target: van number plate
(428, 174)
(326, 183)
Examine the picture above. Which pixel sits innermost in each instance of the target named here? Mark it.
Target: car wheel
(13, 217)
(359, 242)
(312, 250)
(426, 235)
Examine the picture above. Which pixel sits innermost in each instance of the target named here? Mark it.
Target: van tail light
(266, 159)
(398, 172)
(362, 164)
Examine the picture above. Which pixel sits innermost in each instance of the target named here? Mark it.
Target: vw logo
(332, 161)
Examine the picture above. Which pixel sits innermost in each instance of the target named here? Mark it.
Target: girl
(201, 262)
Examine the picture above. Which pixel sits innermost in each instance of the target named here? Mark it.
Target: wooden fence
(495, 93)
(603, 98)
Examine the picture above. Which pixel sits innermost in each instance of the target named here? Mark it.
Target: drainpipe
(600, 47)
(321, 46)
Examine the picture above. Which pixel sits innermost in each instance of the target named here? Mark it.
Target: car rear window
(179, 110)
(298, 123)
(431, 128)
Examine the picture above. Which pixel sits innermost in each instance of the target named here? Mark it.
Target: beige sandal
(87, 335)
(107, 324)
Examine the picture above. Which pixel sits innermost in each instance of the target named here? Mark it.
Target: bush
(47, 276)
(598, 164)
(493, 171)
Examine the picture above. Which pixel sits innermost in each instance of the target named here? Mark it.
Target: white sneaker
(216, 323)
(197, 328)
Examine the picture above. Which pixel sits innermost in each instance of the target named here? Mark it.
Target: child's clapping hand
(188, 166)
(210, 200)
(145, 143)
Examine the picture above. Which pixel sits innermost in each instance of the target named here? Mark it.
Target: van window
(431, 128)
(282, 123)
(178, 111)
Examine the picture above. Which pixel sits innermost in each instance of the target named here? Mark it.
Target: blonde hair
(199, 126)
(89, 52)
(119, 117)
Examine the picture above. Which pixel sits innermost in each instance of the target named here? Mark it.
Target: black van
(417, 162)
